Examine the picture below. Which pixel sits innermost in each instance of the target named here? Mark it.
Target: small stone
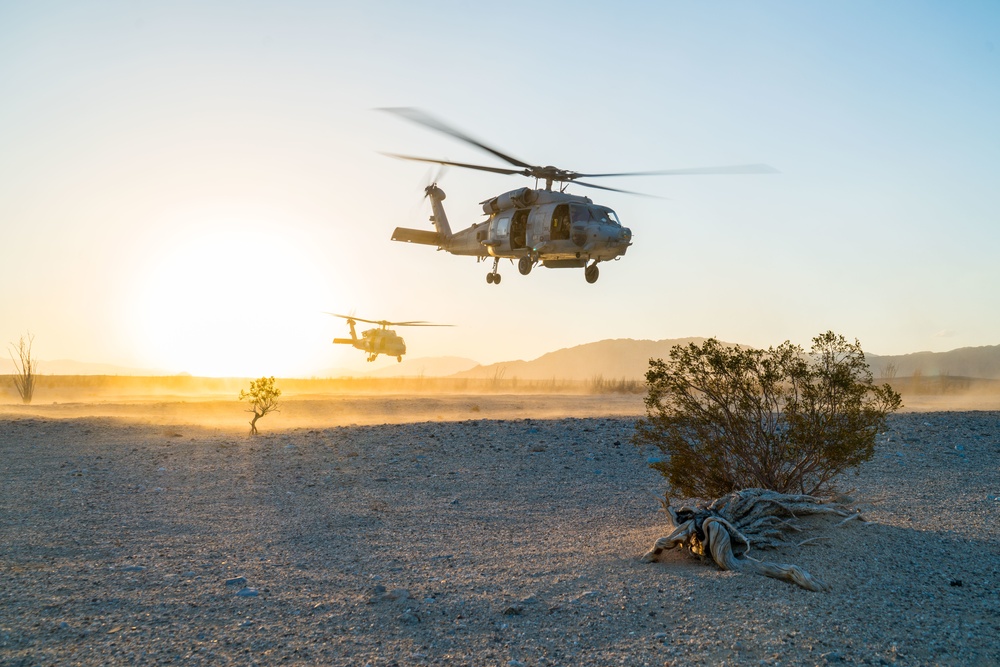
(236, 581)
(409, 618)
(514, 610)
(133, 568)
(247, 593)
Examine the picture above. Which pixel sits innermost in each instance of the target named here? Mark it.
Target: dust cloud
(314, 403)
(321, 403)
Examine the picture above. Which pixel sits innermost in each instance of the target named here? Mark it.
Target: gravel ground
(491, 542)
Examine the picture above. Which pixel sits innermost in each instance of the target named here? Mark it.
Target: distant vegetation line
(91, 387)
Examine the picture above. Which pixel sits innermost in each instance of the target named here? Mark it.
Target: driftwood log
(724, 530)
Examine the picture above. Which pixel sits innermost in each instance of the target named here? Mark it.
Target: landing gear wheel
(496, 278)
(489, 278)
(591, 273)
(524, 265)
(399, 358)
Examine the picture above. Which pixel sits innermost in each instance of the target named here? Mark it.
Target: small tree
(26, 366)
(263, 398)
(731, 418)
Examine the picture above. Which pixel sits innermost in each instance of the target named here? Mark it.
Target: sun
(231, 298)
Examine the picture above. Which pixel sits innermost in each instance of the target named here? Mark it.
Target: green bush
(262, 397)
(731, 418)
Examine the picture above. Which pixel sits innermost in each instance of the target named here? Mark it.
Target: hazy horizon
(191, 186)
(598, 365)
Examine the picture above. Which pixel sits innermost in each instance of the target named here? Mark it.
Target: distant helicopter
(381, 340)
(558, 229)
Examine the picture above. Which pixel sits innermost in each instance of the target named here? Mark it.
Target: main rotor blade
(353, 317)
(418, 323)
(734, 169)
(496, 170)
(601, 187)
(422, 118)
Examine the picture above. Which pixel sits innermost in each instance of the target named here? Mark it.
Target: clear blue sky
(188, 186)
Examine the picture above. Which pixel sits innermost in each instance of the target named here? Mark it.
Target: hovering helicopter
(381, 340)
(532, 225)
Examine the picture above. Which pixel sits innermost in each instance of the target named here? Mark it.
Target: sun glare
(232, 298)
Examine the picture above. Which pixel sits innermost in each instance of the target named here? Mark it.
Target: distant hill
(628, 358)
(972, 362)
(610, 359)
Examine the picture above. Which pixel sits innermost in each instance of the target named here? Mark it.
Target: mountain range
(626, 358)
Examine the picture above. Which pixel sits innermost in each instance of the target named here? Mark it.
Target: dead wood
(725, 529)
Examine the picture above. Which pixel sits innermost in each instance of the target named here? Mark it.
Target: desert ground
(461, 529)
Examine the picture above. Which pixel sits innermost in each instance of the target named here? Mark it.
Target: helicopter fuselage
(557, 229)
(375, 341)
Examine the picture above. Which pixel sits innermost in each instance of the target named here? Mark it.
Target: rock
(236, 581)
(398, 594)
(247, 593)
(409, 618)
(133, 568)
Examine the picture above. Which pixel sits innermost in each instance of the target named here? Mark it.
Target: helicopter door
(499, 238)
(560, 223)
(519, 229)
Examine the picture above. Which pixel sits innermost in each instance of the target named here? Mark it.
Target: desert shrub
(26, 367)
(732, 418)
(263, 398)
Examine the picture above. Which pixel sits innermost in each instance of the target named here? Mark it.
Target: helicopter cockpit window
(606, 216)
(580, 213)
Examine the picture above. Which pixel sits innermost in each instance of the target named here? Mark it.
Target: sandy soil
(459, 530)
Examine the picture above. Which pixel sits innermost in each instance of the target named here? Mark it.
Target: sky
(192, 186)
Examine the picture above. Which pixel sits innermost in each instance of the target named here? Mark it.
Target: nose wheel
(591, 273)
(493, 278)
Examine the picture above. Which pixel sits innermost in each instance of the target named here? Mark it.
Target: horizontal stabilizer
(421, 236)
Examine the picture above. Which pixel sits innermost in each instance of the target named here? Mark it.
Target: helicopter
(532, 225)
(380, 340)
